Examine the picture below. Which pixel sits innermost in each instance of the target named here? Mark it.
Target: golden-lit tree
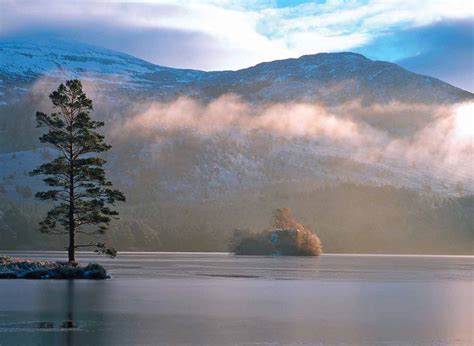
(283, 219)
(301, 241)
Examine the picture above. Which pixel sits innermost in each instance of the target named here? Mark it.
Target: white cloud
(241, 33)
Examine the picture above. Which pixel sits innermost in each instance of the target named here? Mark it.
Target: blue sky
(434, 37)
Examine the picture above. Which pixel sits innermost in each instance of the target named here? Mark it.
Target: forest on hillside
(349, 218)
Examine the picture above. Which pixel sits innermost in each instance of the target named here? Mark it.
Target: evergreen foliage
(80, 191)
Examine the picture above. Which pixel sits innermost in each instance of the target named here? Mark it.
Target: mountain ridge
(307, 78)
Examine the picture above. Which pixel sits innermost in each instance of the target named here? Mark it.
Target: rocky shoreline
(18, 268)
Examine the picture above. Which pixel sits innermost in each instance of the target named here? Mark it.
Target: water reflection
(70, 312)
(68, 324)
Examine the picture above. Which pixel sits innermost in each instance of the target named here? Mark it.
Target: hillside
(196, 162)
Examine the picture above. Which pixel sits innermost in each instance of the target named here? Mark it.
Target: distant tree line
(348, 218)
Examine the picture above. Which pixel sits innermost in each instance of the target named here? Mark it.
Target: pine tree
(80, 191)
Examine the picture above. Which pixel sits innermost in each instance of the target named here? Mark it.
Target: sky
(433, 37)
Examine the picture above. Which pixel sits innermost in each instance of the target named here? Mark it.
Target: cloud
(224, 34)
(438, 147)
(206, 36)
(229, 112)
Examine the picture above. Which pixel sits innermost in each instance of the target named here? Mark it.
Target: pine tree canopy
(83, 197)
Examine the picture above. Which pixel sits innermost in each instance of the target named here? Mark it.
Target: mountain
(330, 78)
(397, 179)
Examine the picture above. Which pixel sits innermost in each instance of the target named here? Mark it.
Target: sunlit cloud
(345, 128)
(464, 123)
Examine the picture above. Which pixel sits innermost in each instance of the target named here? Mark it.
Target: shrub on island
(244, 242)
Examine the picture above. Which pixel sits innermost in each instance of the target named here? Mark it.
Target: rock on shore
(18, 268)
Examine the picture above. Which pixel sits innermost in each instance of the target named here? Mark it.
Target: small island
(18, 268)
(287, 238)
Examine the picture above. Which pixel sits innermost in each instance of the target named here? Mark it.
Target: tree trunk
(72, 245)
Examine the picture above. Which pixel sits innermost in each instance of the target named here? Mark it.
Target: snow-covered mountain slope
(23, 62)
(28, 60)
(330, 78)
(192, 167)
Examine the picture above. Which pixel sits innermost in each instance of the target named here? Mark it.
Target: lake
(221, 299)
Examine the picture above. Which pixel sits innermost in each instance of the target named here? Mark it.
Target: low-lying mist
(436, 138)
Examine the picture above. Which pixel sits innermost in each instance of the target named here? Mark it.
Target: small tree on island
(80, 190)
(283, 219)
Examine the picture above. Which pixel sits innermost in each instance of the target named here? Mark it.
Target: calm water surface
(221, 299)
